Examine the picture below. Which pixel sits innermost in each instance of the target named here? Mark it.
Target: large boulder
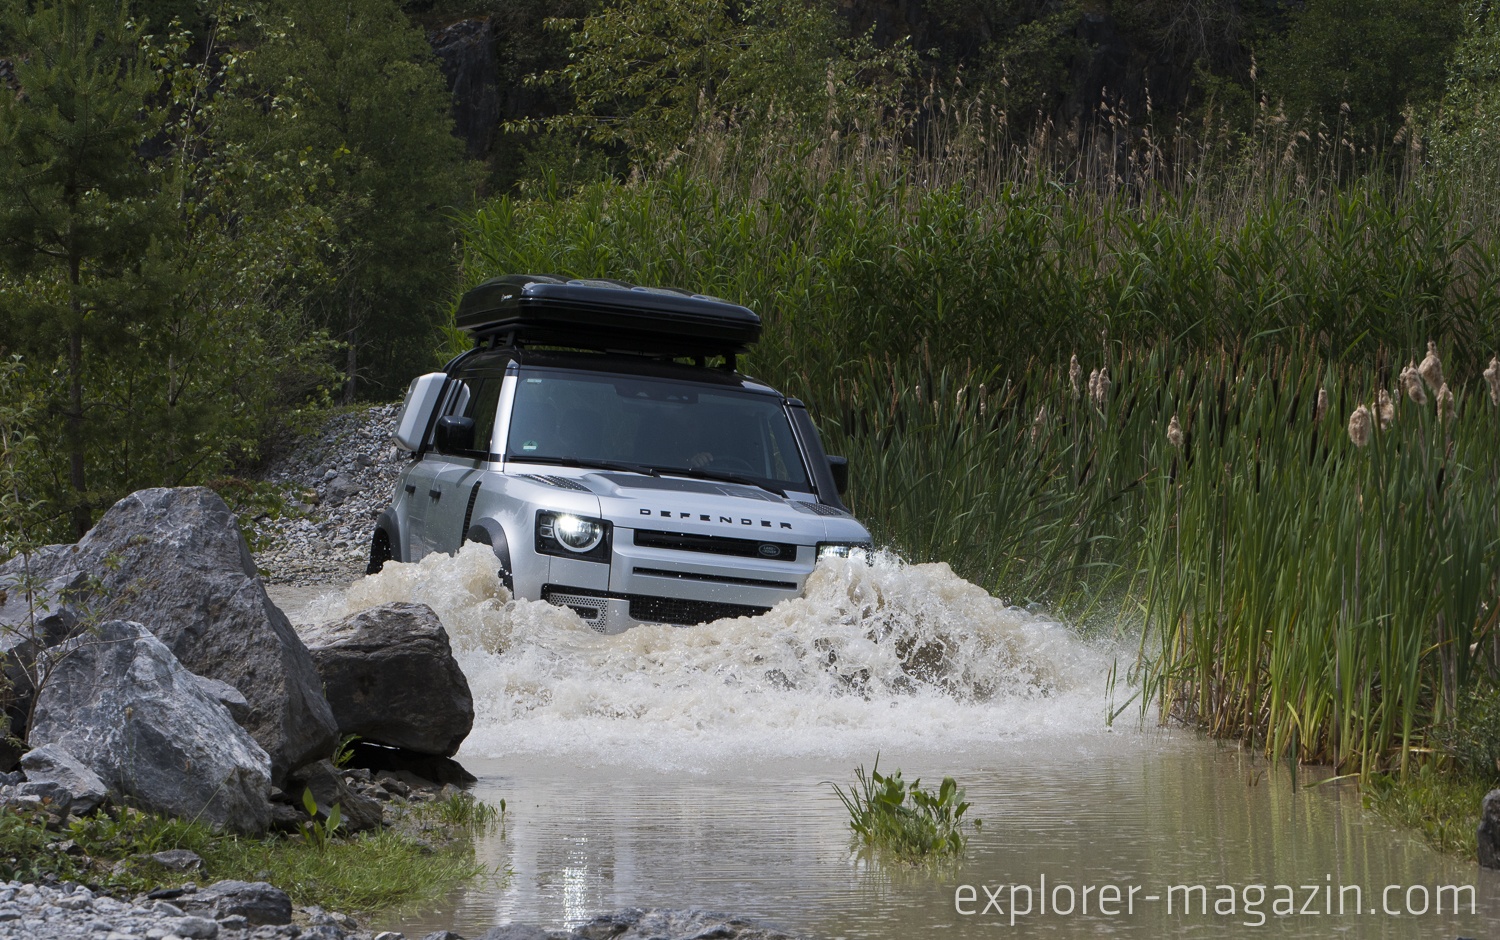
(1489, 831)
(174, 560)
(390, 676)
(121, 704)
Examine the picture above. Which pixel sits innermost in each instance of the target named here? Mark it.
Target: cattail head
(1039, 425)
(1359, 426)
(1099, 387)
(1492, 376)
(1385, 409)
(1174, 433)
(1074, 371)
(1431, 368)
(1411, 384)
(1444, 403)
(984, 395)
(1321, 408)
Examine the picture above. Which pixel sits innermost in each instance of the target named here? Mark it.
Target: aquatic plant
(911, 824)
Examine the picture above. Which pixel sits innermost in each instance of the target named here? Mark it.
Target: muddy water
(670, 767)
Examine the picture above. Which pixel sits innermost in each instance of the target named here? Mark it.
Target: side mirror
(839, 467)
(454, 434)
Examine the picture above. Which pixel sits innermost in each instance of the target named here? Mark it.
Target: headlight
(843, 549)
(577, 534)
(561, 533)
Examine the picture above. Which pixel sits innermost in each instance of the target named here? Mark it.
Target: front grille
(589, 604)
(716, 545)
(716, 578)
(674, 610)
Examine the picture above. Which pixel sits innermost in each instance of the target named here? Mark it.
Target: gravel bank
(338, 480)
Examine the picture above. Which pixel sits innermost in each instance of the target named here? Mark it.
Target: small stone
(195, 928)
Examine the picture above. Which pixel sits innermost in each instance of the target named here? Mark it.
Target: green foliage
(913, 825)
(649, 74)
(20, 522)
(133, 278)
(377, 871)
(319, 832)
(1360, 66)
(1472, 734)
(352, 87)
(1468, 141)
(1443, 808)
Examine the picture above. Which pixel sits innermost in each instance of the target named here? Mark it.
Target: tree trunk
(82, 514)
(351, 365)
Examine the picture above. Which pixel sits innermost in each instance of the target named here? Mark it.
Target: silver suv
(599, 439)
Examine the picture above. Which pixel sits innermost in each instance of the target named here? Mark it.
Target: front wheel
(380, 551)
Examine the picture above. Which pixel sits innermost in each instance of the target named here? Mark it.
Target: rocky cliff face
(466, 55)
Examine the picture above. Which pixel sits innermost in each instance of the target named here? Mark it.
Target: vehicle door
(423, 497)
(460, 472)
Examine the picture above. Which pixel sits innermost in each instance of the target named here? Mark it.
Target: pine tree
(83, 221)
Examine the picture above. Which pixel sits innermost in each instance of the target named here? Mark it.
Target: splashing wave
(875, 655)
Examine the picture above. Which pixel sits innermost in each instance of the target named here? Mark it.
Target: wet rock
(416, 770)
(121, 703)
(52, 764)
(256, 901)
(523, 932)
(661, 924)
(174, 560)
(390, 677)
(1489, 831)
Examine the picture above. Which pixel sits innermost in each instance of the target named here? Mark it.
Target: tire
(380, 551)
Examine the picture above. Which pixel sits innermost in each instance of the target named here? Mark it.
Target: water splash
(880, 655)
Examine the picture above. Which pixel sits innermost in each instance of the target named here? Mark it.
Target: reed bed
(1132, 406)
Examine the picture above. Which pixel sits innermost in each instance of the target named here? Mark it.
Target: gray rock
(178, 860)
(390, 677)
(121, 703)
(228, 696)
(359, 812)
(33, 617)
(1489, 831)
(256, 901)
(174, 560)
(195, 928)
(54, 764)
(443, 935)
(661, 924)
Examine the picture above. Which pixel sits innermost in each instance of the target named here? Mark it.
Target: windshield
(659, 425)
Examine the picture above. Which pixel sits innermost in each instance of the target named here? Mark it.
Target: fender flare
(489, 532)
(388, 521)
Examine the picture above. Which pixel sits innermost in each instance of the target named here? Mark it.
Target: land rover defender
(600, 440)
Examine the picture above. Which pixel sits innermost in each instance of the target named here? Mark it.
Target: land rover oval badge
(770, 551)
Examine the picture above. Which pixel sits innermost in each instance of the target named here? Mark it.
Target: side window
(482, 407)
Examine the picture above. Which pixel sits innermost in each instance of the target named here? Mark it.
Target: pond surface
(677, 768)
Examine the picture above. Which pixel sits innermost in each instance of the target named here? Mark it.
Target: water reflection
(767, 838)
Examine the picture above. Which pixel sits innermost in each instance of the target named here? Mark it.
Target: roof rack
(611, 316)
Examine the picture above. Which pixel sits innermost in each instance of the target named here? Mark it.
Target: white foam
(881, 655)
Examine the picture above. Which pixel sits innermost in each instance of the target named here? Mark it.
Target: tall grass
(1326, 600)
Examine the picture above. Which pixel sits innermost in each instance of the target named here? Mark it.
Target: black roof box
(539, 309)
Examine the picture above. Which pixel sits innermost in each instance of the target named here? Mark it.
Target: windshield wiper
(721, 476)
(588, 464)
